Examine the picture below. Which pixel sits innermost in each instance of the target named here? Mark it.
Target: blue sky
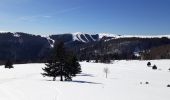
(92, 16)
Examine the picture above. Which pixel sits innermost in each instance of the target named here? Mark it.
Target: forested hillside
(23, 48)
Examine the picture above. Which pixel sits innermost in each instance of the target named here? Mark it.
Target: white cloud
(48, 15)
(3, 31)
(33, 18)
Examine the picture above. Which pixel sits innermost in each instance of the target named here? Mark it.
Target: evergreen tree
(51, 70)
(60, 58)
(72, 68)
(62, 64)
(9, 64)
(54, 66)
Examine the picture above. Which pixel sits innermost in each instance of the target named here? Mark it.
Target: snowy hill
(84, 37)
(101, 35)
(126, 81)
(88, 37)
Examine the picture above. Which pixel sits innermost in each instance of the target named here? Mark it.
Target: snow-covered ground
(126, 81)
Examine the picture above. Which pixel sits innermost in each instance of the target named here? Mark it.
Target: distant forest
(21, 47)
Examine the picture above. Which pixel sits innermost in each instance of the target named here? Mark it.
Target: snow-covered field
(126, 81)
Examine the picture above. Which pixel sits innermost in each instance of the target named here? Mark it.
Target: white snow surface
(143, 36)
(76, 36)
(16, 35)
(49, 39)
(53, 41)
(126, 81)
(101, 35)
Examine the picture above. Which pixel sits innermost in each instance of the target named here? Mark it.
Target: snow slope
(82, 37)
(126, 81)
(101, 35)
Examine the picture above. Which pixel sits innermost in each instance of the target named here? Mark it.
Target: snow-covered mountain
(101, 35)
(91, 37)
(84, 37)
(88, 37)
(28, 47)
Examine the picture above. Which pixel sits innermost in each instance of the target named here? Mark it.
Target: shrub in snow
(87, 60)
(149, 64)
(169, 69)
(146, 82)
(154, 67)
(96, 61)
(106, 71)
(9, 64)
(168, 85)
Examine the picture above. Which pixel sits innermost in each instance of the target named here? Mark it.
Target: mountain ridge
(89, 37)
(24, 47)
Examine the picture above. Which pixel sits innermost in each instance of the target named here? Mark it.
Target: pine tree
(51, 70)
(62, 63)
(75, 66)
(60, 56)
(72, 68)
(54, 66)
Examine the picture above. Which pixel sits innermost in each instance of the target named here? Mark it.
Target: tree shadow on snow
(75, 81)
(48, 80)
(78, 81)
(84, 74)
